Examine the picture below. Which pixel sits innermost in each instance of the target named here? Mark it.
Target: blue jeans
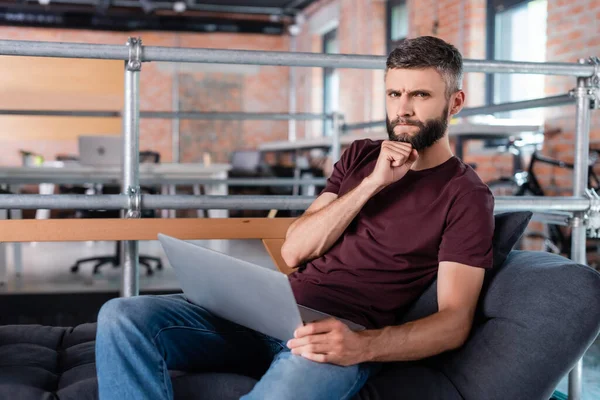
(141, 338)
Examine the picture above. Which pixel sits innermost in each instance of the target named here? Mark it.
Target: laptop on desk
(247, 294)
(101, 151)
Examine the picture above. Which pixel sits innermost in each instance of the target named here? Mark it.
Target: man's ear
(457, 102)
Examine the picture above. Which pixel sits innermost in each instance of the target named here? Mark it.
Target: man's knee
(118, 312)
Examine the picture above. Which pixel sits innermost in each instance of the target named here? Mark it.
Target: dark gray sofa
(537, 315)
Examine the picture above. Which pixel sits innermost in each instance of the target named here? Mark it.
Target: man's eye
(421, 94)
(393, 94)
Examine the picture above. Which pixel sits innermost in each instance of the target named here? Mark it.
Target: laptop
(101, 151)
(239, 291)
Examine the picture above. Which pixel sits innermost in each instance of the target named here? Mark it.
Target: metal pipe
(63, 201)
(113, 52)
(578, 254)
(292, 92)
(107, 179)
(227, 202)
(63, 50)
(518, 105)
(580, 181)
(172, 115)
(175, 134)
(348, 61)
(467, 112)
(336, 148)
(277, 58)
(131, 162)
(243, 202)
(63, 113)
(518, 67)
(537, 203)
(236, 116)
(582, 138)
(563, 219)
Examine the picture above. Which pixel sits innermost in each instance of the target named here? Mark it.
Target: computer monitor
(245, 161)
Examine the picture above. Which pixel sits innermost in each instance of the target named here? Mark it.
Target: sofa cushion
(508, 229)
(38, 361)
(540, 313)
(47, 363)
(537, 316)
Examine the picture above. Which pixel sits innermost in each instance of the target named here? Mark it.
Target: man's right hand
(395, 159)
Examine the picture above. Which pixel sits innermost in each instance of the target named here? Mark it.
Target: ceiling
(234, 16)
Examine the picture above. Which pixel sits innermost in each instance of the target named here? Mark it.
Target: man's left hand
(330, 341)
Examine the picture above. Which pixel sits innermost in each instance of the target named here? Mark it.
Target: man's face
(417, 108)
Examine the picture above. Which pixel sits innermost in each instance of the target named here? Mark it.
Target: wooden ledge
(77, 230)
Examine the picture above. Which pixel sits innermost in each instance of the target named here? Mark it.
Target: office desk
(150, 174)
(166, 175)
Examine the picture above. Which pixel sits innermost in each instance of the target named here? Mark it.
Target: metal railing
(296, 59)
(234, 116)
(552, 101)
(132, 200)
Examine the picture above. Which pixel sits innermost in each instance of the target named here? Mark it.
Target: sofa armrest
(538, 315)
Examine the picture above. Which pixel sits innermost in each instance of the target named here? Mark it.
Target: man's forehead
(407, 79)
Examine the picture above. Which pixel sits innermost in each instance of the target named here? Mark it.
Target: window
(517, 32)
(331, 81)
(397, 20)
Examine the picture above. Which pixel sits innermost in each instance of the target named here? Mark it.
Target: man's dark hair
(429, 52)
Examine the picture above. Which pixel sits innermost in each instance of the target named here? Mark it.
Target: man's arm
(458, 288)
(311, 235)
(326, 219)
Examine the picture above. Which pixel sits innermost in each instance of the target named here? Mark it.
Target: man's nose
(405, 107)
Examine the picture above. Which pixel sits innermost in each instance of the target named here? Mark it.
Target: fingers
(313, 328)
(396, 145)
(320, 358)
(322, 348)
(307, 340)
(398, 155)
(414, 156)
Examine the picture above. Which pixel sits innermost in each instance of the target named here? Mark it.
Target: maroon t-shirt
(390, 252)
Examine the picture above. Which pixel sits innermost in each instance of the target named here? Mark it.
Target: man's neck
(433, 156)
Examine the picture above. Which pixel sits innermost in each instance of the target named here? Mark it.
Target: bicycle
(526, 183)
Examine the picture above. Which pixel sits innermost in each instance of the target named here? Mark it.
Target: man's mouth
(403, 125)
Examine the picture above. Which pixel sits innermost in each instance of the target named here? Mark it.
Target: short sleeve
(341, 168)
(469, 230)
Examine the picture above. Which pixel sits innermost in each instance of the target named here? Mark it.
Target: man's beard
(429, 132)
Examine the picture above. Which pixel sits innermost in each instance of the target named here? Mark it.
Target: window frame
(494, 7)
(327, 71)
(390, 45)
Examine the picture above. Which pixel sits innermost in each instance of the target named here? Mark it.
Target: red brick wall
(361, 29)
(261, 89)
(573, 33)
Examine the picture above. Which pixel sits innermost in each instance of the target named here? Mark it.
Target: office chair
(115, 259)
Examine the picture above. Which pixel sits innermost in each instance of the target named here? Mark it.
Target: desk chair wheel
(146, 264)
(100, 261)
(144, 260)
